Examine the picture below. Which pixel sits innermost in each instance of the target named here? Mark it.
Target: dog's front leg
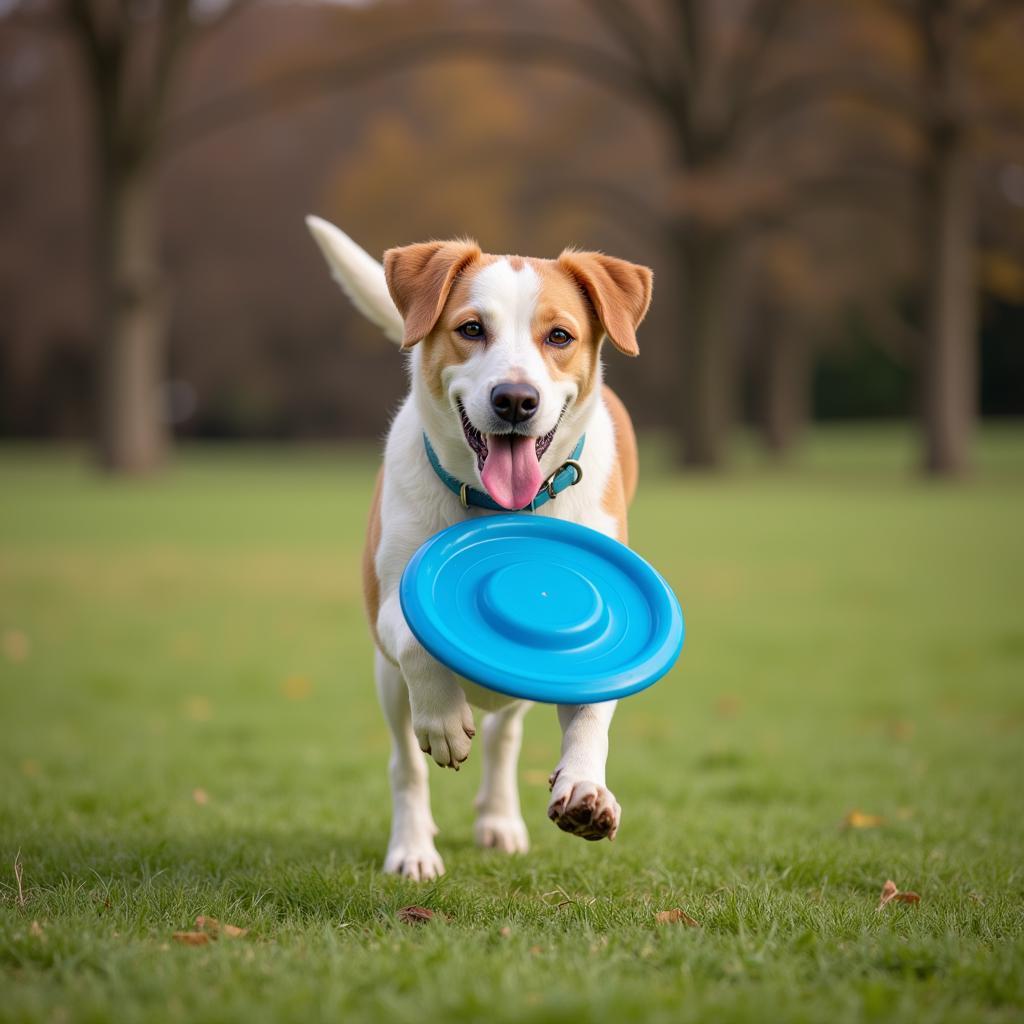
(441, 717)
(580, 801)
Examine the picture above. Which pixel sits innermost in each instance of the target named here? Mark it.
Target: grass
(188, 726)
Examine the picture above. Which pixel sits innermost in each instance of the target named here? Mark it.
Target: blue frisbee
(542, 609)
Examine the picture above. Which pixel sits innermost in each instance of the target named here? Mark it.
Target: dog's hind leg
(580, 801)
(411, 850)
(499, 822)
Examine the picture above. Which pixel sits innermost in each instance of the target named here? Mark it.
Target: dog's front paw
(445, 735)
(501, 832)
(417, 860)
(583, 808)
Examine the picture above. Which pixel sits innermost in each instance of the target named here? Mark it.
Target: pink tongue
(511, 470)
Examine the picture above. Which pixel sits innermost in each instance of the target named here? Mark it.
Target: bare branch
(763, 23)
(24, 19)
(989, 15)
(875, 192)
(175, 28)
(627, 26)
(634, 210)
(82, 18)
(519, 48)
(797, 91)
(640, 40)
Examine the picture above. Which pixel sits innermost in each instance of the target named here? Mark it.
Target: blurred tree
(131, 53)
(959, 97)
(704, 70)
(951, 70)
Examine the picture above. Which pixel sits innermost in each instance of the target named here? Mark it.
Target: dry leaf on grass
(216, 929)
(890, 894)
(676, 916)
(728, 706)
(297, 688)
(200, 796)
(16, 645)
(199, 709)
(860, 819)
(208, 929)
(415, 915)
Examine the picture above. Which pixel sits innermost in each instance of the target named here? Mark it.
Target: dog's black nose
(515, 403)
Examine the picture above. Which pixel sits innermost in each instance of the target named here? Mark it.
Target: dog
(504, 359)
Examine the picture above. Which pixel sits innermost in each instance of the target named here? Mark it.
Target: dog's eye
(560, 337)
(472, 329)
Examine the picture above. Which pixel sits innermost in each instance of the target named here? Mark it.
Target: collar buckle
(549, 484)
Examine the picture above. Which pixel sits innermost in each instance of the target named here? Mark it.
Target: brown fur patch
(420, 277)
(620, 292)
(560, 303)
(621, 486)
(443, 347)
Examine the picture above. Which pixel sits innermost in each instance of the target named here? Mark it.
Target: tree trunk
(133, 434)
(705, 409)
(950, 352)
(784, 387)
(950, 356)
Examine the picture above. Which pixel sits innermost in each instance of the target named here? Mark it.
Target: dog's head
(508, 349)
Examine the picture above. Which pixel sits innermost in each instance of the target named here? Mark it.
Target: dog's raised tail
(360, 276)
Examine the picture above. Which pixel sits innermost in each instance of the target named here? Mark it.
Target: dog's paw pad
(585, 809)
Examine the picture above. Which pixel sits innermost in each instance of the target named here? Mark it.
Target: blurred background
(831, 195)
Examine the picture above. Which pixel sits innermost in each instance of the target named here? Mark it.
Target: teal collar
(568, 474)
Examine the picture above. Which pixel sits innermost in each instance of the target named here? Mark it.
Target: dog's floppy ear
(619, 291)
(419, 279)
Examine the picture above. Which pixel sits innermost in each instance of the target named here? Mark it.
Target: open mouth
(509, 464)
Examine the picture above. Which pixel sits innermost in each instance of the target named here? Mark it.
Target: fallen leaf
(17, 645)
(191, 938)
(859, 819)
(902, 729)
(415, 915)
(296, 687)
(728, 706)
(215, 929)
(676, 916)
(199, 709)
(891, 893)
(200, 796)
(505, 932)
(536, 950)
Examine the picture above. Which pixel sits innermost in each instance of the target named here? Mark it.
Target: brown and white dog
(505, 378)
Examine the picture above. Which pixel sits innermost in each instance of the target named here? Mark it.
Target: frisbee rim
(420, 614)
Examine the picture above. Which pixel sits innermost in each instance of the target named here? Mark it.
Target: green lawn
(188, 726)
